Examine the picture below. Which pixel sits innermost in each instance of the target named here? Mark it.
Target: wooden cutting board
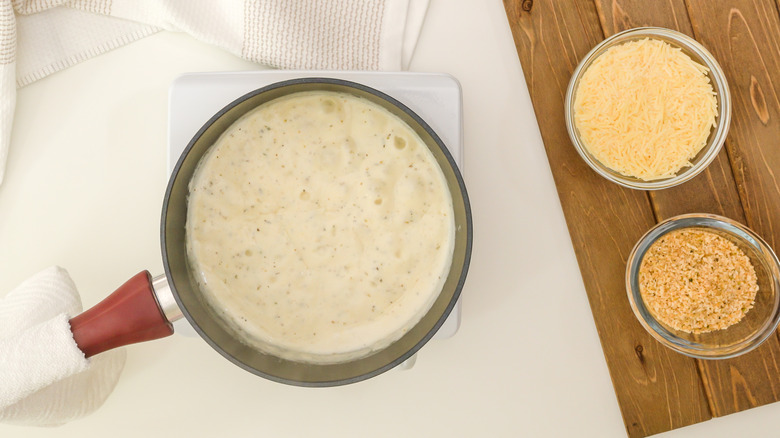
(658, 389)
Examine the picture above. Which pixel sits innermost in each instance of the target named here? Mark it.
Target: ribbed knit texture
(41, 37)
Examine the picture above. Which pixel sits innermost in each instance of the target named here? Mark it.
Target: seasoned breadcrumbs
(697, 281)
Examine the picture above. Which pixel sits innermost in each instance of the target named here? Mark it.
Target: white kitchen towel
(44, 378)
(40, 37)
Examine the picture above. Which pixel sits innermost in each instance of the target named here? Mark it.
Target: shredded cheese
(645, 109)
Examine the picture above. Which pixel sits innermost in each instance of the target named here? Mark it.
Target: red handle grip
(129, 315)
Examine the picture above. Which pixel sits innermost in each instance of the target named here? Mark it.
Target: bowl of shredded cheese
(648, 108)
(705, 286)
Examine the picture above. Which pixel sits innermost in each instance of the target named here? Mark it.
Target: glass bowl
(757, 325)
(698, 53)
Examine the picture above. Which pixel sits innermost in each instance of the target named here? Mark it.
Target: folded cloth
(44, 378)
(40, 37)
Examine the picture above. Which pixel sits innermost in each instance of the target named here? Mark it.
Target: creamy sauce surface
(320, 226)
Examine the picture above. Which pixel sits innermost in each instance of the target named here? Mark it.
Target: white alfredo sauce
(320, 226)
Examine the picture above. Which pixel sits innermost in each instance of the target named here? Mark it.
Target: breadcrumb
(697, 281)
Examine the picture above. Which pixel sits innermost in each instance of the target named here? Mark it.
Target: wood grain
(658, 390)
(619, 15)
(745, 38)
(604, 221)
(713, 191)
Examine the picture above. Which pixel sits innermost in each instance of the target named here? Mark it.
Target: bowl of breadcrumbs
(705, 286)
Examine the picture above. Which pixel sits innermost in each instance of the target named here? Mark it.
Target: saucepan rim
(325, 81)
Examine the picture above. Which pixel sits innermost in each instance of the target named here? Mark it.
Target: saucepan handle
(129, 315)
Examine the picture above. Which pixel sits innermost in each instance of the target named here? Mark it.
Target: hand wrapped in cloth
(44, 378)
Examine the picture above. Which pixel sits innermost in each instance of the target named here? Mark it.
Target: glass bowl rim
(711, 149)
(737, 231)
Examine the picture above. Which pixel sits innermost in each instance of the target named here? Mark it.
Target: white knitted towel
(40, 37)
(44, 378)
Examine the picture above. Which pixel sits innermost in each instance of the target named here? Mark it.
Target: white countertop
(84, 187)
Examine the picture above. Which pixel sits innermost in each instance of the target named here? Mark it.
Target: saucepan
(143, 308)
